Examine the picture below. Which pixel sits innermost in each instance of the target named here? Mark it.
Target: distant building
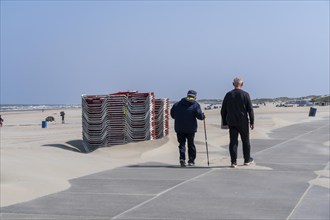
(301, 103)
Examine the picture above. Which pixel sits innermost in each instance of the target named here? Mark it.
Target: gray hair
(237, 81)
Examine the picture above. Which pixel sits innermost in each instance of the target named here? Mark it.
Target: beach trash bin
(312, 112)
(44, 124)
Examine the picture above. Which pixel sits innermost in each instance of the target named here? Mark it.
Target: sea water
(33, 107)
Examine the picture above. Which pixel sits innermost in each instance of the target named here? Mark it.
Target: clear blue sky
(54, 51)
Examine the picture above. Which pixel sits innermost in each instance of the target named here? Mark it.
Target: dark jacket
(185, 113)
(237, 108)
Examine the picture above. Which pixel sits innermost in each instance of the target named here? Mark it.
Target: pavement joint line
(50, 216)
(78, 217)
(304, 194)
(327, 167)
(261, 162)
(291, 139)
(123, 194)
(132, 179)
(160, 194)
(156, 218)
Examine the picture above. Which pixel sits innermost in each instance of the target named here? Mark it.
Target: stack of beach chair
(94, 121)
(117, 112)
(162, 116)
(123, 117)
(140, 117)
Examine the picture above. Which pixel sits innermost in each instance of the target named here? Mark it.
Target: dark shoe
(233, 165)
(247, 163)
(191, 164)
(182, 163)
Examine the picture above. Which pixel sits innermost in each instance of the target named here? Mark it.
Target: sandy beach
(38, 161)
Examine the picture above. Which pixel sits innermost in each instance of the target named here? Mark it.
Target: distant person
(184, 114)
(62, 115)
(1, 121)
(237, 113)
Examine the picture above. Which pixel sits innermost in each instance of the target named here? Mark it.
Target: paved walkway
(289, 181)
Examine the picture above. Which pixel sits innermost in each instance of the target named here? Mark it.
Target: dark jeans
(182, 137)
(243, 131)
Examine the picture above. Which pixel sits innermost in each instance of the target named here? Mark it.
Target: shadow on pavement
(173, 166)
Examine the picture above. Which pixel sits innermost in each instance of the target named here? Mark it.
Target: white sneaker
(191, 164)
(251, 161)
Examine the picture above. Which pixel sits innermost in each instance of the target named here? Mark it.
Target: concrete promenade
(290, 180)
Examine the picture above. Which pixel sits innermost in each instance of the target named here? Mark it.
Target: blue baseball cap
(192, 93)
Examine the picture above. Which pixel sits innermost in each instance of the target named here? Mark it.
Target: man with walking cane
(237, 114)
(207, 148)
(185, 113)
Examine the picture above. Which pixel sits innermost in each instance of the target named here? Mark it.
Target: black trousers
(182, 137)
(243, 131)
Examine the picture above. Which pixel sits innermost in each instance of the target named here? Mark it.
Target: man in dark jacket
(237, 113)
(184, 114)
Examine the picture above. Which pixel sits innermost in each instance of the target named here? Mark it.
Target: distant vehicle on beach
(284, 105)
(212, 106)
(50, 118)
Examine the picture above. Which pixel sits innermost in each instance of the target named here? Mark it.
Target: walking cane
(207, 149)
